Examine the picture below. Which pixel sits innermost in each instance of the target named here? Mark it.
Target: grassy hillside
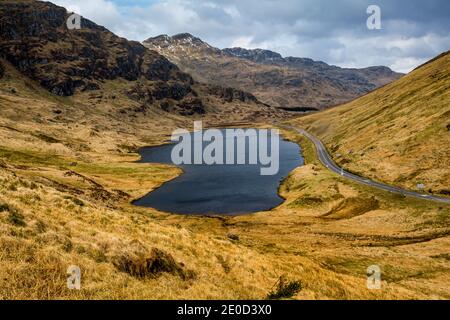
(67, 179)
(68, 175)
(398, 134)
(59, 208)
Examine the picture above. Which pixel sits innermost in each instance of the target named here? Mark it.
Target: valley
(77, 107)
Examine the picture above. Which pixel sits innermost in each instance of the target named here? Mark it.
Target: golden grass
(68, 203)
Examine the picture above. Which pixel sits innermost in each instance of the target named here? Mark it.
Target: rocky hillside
(295, 83)
(367, 78)
(399, 134)
(34, 38)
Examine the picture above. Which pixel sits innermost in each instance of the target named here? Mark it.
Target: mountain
(292, 83)
(35, 40)
(376, 76)
(399, 134)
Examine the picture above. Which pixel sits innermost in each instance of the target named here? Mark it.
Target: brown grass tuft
(152, 265)
(284, 289)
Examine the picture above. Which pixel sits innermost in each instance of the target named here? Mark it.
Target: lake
(220, 189)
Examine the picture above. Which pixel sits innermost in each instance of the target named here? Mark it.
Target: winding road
(328, 162)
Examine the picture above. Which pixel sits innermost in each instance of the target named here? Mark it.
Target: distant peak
(184, 35)
(187, 38)
(258, 55)
(380, 70)
(161, 37)
(182, 40)
(180, 37)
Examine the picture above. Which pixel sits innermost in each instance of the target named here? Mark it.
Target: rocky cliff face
(231, 94)
(295, 83)
(173, 97)
(35, 39)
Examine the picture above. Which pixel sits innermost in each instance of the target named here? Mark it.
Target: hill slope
(281, 82)
(399, 133)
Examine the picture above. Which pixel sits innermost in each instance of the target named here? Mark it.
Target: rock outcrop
(172, 97)
(231, 94)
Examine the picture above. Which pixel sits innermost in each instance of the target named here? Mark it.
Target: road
(328, 162)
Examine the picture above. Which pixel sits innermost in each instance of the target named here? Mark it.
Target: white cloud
(332, 32)
(102, 12)
(407, 64)
(232, 11)
(243, 42)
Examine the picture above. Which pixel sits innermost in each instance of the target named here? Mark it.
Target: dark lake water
(220, 189)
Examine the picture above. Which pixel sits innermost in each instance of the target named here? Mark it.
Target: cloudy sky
(334, 31)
